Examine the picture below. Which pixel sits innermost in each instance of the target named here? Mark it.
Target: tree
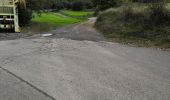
(105, 4)
(77, 6)
(24, 13)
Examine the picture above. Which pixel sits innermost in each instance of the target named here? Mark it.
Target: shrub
(105, 4)
(88, 5)
(67, 5)
(159, 14)
(147, 1)
(77, 6)
(102, 5)
(58, 6)
(151, 25)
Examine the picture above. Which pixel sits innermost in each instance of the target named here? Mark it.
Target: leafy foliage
(77, 6)
(105, 4)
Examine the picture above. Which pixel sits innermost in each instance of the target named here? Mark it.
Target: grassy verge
(136, 26)
(53, 20)
(48, 21)
(82, 15)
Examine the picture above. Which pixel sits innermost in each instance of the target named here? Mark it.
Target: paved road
(12, 88)
(66, 68)
(63, 69)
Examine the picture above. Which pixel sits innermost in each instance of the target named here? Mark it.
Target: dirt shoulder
(81, 31)
(10, 35)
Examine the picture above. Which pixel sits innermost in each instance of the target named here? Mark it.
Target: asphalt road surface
(68, 69)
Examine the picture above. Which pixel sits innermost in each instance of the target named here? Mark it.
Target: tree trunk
(22, 4)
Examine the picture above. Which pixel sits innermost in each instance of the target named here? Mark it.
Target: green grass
(46, 21)
(77, 14)
(53, 19)
(49, 21)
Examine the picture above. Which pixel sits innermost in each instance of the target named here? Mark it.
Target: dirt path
(4, 35)
(83, 31)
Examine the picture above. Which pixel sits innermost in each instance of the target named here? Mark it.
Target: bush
(77, 6)
(147, 27)
(159, 14)
(105, 4)
(102, 5)
(67, 5)
(58, 6)
(88, 5)
(147, 1)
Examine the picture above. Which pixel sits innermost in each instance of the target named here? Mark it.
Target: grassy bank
(52, 20)
(77, 14)
(136, 26)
